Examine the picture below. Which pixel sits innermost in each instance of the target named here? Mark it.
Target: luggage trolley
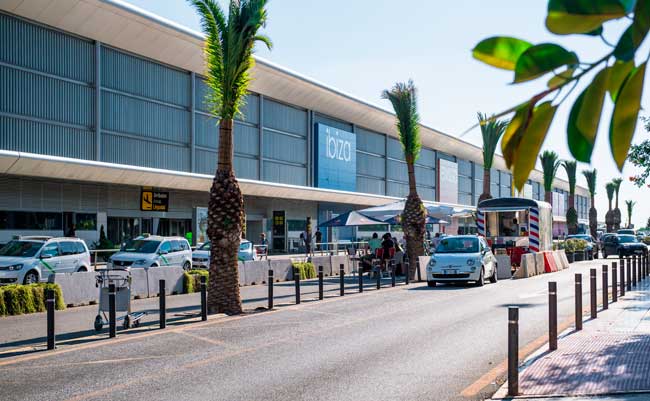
(122, 279)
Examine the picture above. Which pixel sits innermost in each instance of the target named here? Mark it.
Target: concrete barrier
(335, 262)
(77, 288)
(539, 263)
(281, 269)
(254, 272)
(504, 267)
(324, 261)
(558, 260)
(173, 276)
(140, 283)
(527, 267)
(424, 261)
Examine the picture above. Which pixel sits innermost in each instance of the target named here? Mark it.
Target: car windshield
(244, 246)
(21, 249)
(626, 239)
(140, 246)
(205, 246)
(457, 245)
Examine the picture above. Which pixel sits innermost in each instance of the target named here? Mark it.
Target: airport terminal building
(103, 123)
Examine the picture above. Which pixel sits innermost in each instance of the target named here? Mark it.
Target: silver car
(29, 260)
(201, 256)
(153, 251)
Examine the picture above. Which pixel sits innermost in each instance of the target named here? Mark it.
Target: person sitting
(374, 243)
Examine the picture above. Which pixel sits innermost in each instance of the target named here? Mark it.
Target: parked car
(29, 260)
(201, 256)
(592, 246)
(623, 245)
(628, 231)
(153, 251)
(462, 258)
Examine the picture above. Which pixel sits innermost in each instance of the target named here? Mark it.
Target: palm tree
(590, 176)
(616, 214)
(550, 163)
(403, 97)
(229, 58)
(571, 213)
(630, 206)
(609, 216)
(491, 130)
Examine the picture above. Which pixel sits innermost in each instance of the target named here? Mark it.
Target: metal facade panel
(35, 137)
(250, 111)
(137, 117)
(427, 158)
(425, 176)
(332, 122)
(397, 189)
(370, 141)
(284, 148)
(247, 139)
(371, 165)
(136, 152)
(9, 192)
(283, 173)
(395, 150)
(138, 76)
(31, 195)
(70, 196)
(246, 167)
(371, 185)
(206, 131)
(284, 118)
(89, 197)
(52, 195)
(43, 97)
(41, 49)
(201, 101)
(397, 171)
(206, 161)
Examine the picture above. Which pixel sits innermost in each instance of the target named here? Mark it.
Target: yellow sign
(154, 201)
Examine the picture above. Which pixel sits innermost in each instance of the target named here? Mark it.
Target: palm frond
(491, 130)
(570, 166)
(610, 187)
(617, 185)
(229, 47)
(590, 176)
(550, 164)
(403, 97)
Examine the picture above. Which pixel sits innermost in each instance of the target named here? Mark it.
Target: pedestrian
(374, 243)
(72, 232)
(436, 240)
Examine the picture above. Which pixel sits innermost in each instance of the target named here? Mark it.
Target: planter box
(569, 256)
(579, 256)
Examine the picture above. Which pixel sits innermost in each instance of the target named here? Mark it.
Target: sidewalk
(608, 360)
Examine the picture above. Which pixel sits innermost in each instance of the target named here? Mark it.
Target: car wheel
(127, 322)
(99, 323)
(82, 269)
(31, 277)
(620, 254)
(494, 277)
(481, 278)
(187, 266)
(604, 254)
(431, 283)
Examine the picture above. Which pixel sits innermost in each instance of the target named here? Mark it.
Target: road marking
(98, 362)
(198, 337)
(473, 389)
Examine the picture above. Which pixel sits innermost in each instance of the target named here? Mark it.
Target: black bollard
(592, 293)
(628, 274)
(360, 279)
(111, 311)
(204, 299)
(552, 315)
(162, 304)
(578, 299)
(379, 276)
(296, 278)
(342, 279)
(270, 284)
(50, 303)
(638, 269)
(392, 274)
(621, 270)
(513, 351)
(407, 267)
(614, 282)
(417, 266)
(605, 288)
(320, 283)
(634, 281)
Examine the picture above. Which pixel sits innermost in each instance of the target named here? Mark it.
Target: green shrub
(18, 299)
(192, 280)
(306, 269)
(575, 245)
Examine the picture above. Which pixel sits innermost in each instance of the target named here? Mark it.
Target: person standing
(374, 243)
(72, 232)
(319, 238)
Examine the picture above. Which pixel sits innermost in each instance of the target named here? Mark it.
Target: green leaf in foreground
(500, 51)
(626, 114)
(618, 72)
(541, 59)
(566, 17)
(635, 33)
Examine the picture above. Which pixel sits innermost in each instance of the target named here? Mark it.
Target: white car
(462, 258)
(29, 260)
(201, 256)
(153, 251)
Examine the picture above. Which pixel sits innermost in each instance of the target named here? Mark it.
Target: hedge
(18, 299)
(192, 280)
(307, 269)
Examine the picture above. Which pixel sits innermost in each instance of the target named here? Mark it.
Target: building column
(192, 122)
(98, 101)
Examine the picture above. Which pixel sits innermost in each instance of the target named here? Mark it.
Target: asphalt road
(408, 343)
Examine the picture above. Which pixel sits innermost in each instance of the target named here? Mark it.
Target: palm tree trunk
(548, 197)
(225, 221)
(593, 219)
(486, 185)
(414, 219)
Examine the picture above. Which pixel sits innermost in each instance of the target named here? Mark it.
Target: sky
(365, 46)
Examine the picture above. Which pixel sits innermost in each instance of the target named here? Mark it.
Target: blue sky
(364, 46)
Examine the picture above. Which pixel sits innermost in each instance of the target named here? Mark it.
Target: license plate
(449, 271)
(638, 251)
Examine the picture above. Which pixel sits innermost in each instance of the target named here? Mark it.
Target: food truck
(519, 225)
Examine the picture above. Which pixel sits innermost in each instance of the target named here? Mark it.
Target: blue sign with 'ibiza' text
(336, 158)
